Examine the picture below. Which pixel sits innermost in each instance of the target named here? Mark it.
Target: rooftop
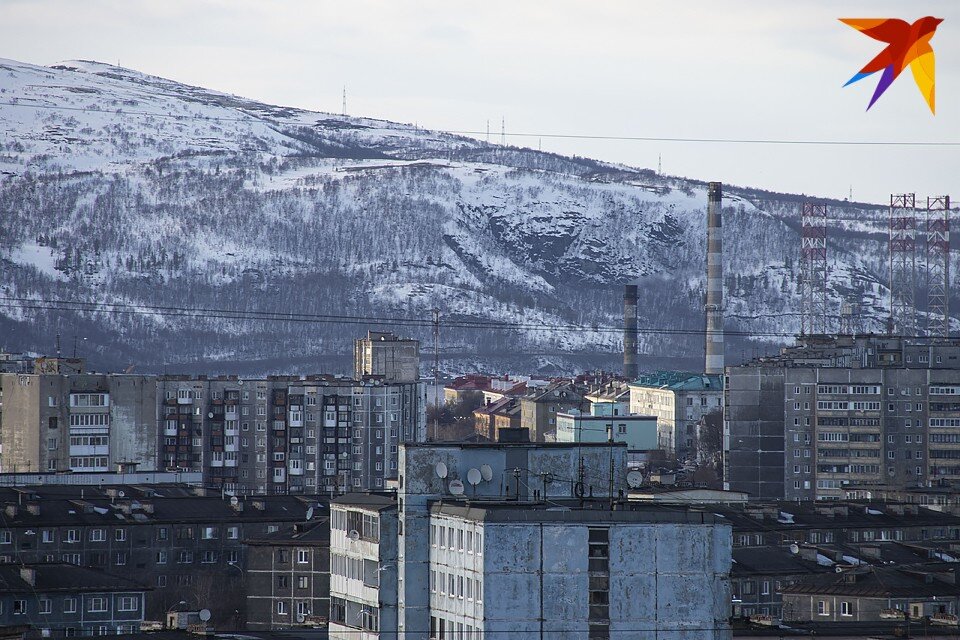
(316, 531)
(912, 581)
(680, 381)
(377, 501)
(60, 576)
(569, 510)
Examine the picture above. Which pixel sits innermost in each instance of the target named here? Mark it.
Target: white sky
(770, 69)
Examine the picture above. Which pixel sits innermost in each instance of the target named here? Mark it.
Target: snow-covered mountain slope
(122, 188)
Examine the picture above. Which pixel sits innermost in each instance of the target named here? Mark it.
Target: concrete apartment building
(385, 354)
(363, 566)
(289, 434)
(679, 400)
(639, 433)
(838, 413)
(77, 422)
(282, 434)
(61, 600)
(287, 576)
(491, 535)
(181, 545)
(539, 409)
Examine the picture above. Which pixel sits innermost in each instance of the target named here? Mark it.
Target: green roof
(680, 381)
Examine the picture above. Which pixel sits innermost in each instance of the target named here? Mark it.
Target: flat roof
(572, 511)
(377, 501)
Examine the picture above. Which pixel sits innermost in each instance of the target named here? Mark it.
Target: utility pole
(436, 374)
(488, 130)
(503, 132)
(344, 100)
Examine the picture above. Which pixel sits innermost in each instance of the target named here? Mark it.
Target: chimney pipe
(714, 307)
(630, 370)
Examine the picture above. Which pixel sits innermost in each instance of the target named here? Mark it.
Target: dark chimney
(713, 362)
(630, 370)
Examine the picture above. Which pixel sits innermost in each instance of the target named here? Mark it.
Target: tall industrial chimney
(630, 332)
(714, 306)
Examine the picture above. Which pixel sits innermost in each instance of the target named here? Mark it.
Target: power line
(525, 134)
(232, 314)
(267, 316)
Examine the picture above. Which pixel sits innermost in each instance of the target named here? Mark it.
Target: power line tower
(938, 266)
(813, 268)
(903, 265)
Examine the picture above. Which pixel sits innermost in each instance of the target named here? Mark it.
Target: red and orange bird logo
(907, 44)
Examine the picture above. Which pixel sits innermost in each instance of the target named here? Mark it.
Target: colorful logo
(907, 44)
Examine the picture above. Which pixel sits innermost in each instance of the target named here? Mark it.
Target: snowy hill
(122, 188)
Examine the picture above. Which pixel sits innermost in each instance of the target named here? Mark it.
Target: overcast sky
(757, 69)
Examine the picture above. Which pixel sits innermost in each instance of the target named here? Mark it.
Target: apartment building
(386, 355)
(363, 566)
(679, 400)
(489, 535)
(77, 422)
(181, 545)
(60, 600)
(833, 413)
(289, 434)
(287, 576)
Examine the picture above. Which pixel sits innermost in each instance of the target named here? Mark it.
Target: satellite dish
(205, 615)
(486, 472)
(839, 569)
(354, 535)
(634, 479)
(210, 415)
(456, 487)
(240, 382)
(441, 470)
(310, 513)
(474, 477)
(794, 548)
(301, 617)
(121, 494)
(234, 500)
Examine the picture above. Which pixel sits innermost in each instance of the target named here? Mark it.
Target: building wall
(377, 594)
(638, 434)
(677, 412)
(753, 436)
(806, 607)
(81, 621)
(397, 360)
(536, 578)
(419, 483)
(275, 574)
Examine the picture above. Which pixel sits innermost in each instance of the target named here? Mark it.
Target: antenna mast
(344, 112)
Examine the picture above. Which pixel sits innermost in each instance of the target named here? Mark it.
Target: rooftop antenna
(344, 100)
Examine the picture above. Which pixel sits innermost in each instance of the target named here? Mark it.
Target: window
(119, 535)
(845, 609)
(161, 557)
(97, 604)
(98, 535)
(6, 536)
(127, 603)
(233, 533)
(281, 608)
(46, 535)
(19, 607)
(69, 605)
(303, 582)
(303, 556)
(45, 605)
(121, 558)
(823, 608)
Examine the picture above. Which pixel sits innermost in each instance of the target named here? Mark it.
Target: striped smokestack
(714, 306)
(630, 332)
